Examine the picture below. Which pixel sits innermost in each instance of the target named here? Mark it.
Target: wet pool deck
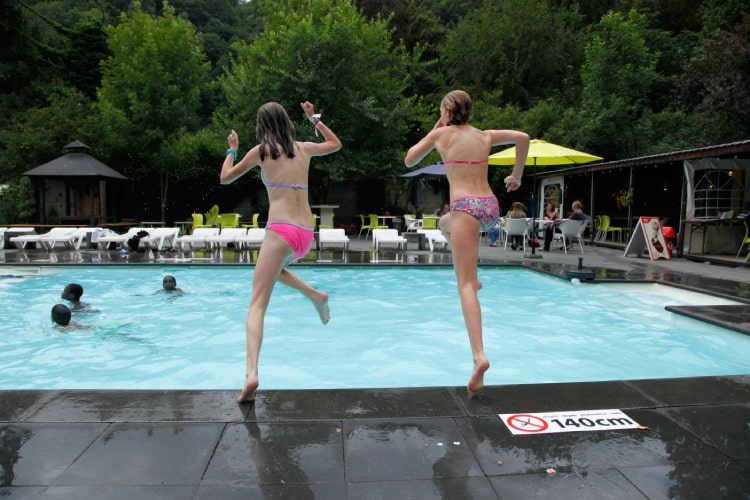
(390, 443)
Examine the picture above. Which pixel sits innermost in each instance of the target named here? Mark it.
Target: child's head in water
(61, 315)
(72, 292)
(169, 284)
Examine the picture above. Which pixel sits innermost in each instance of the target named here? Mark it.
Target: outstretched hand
(233, 140)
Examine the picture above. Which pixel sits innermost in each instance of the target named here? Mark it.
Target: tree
(150, 93)
(717, 81)
(617, 76)
(522, 47)
(326, 52)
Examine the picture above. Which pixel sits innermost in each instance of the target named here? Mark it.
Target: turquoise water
(390, 327)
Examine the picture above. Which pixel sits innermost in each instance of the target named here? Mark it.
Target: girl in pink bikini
(473, 206)
(284, 165)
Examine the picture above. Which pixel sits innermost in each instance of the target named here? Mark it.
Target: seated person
(444, 209)
(72, 293)
(169, 285)
(61, 315)
(551, 213)
(494, 231)
(516, 212)
(494, 234)
(576, 214)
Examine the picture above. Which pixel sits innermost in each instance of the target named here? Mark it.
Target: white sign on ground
(567, 421)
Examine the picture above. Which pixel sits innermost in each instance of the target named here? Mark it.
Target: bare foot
(321, 305)
(248, 392)
(476, 382)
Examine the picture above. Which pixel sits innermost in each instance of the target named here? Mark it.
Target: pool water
(390, 327)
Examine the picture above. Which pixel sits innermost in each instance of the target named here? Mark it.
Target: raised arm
(421, 149)
(231, 171)
(521, 140)
(330, 143)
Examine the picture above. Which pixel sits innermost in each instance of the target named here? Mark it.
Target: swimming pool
(390, 327)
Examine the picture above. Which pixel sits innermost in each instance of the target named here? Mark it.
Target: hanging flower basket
(623, 197)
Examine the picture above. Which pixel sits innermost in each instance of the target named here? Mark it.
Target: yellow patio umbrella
(546, 154)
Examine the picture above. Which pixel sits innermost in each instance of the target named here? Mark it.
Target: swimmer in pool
(61, 315)
(72, 293)
(473, 207)
(284, 165)
(169, 285)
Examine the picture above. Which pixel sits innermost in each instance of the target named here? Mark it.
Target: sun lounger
(227, 236)
(434, 238)
(21, 241)
(252, 239)
(121, 240)
(332, 237)
(382, 237)
(72, 239)
(161, 238)
(197, 239)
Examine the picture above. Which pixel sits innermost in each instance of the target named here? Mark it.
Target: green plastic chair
(198, 222)
(254, 224)
(229, 220)
(363, 227)
(745, 241)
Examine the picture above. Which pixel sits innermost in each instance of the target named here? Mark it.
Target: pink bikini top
(465, 162)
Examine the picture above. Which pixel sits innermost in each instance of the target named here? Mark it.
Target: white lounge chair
(387, 237)
(332, 237)
(252, 239)
(226, 236)
(121, 240)
(197, 239)
(73, 239)
(162, 238)
(23, 240)
(434, 238)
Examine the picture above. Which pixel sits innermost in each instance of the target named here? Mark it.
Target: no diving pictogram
(527, 423)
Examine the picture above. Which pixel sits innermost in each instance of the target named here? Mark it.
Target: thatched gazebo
(77, 187)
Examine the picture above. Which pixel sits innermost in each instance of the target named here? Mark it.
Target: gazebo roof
(76, 162)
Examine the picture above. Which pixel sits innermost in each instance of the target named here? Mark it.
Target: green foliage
(519, 46)
(150, 92)
(720, 75)
(212, 216)
(37, 136)
(17, 203)
(617, 77)
(326, 52)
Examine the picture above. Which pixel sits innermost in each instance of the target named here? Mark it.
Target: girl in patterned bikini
(473, 205)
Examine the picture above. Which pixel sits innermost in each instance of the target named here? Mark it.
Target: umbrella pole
(533, 254)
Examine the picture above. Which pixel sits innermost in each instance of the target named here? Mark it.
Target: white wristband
(314, 118)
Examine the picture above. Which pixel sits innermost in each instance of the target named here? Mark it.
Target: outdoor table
(326, 212)
(385, 220)
(152, 223)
